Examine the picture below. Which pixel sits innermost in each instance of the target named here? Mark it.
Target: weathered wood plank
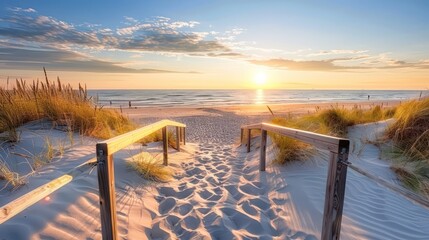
(106, 185)
(20, 204)
(318, 140)
(165, 145)
(252, 126)
(117, 143)
(335, 190)
(263, 150)
(249, 137)
(178, 139)
(412, 196)
(13, 208)
(184, 135)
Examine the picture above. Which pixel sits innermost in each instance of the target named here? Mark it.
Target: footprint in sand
(233, 190)
(172, 220)
(191, 222)
(195, 171)
(205, 194)
(204, 210)
(252, 190)
(167, 205)
(185, 209)
(223, 168)
(261, 204)
(279, 201)
(249, 209)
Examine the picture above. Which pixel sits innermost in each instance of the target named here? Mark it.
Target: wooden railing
(337, 170)
(105, 169)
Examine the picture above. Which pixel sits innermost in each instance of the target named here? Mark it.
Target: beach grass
(10, 176)
(157, 136)
(149, 168)
(333, 121)
(61, 104)
(410, 137)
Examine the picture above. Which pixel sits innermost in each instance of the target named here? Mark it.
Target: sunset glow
(260, 80)
(195, 45)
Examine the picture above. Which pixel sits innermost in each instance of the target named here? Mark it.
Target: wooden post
(241, 135)
(263, 150)
(106, 185)
(184, 136)
(335, 189)
(178, 138)
(248, 139)
(165, 145)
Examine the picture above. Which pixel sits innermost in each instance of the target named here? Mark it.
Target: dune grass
(333, 121)
(410, 137)
(10, 176)
(62, 105)
(150, 168)
(157, 136)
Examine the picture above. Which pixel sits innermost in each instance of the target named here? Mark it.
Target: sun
(260, 79)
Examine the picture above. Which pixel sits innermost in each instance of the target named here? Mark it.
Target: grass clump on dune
(11, 177)
(333, 121)
(149, 168)
(59, 103)
(410, 136)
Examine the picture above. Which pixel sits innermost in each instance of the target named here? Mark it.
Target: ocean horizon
(210, 97)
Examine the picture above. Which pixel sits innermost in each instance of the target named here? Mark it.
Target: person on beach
(368, 97)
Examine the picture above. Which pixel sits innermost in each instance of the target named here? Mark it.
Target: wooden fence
(337, 170)
(106, 178)
(105, 169)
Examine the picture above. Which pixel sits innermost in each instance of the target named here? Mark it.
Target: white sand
(218, 193)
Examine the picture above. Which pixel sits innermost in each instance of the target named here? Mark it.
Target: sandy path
(219, 196)
(219, 193)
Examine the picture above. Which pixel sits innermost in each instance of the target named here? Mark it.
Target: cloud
(18, 9)
(44, 29)
(323, 65)
(171, 42)
(337, 52)
(330, 64)
(56, 59)
(158, 35)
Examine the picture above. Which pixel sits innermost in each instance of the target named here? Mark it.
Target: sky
(197, 44)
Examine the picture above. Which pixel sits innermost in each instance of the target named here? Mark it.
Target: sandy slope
(219, 193)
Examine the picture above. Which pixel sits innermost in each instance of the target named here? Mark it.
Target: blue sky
(219, 44)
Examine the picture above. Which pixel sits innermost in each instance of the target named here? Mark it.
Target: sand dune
(218, 193)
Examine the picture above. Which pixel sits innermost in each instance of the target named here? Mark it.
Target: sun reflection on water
(259, 97)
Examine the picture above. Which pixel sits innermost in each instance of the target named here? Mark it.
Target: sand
(217, 191)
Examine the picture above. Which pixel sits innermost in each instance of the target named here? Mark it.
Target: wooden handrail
(321, 141)
(105, 167)
(337, 170)
(119, 142)
(25, 201)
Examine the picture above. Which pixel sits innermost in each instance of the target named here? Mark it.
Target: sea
(206, 98)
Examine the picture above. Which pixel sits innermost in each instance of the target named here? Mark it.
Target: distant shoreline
(230, 98)
(246, 110)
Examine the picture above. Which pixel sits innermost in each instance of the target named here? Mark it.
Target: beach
(214, 120)
(217, 191)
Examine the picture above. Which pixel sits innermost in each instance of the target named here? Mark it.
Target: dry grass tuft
(150, 168)
(333, 121)
(11, 177)
(410, 137)
(410, 131)
(61, 104)
(295, 150)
